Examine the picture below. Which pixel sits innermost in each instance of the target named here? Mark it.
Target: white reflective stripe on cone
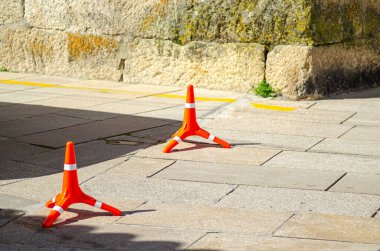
(98, 204)
(58, 209)
(178, 139)
(211, 137)
(70, 167)
(190, 105)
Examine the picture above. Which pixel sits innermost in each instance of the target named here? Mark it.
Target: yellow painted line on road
(103, 90)
(175, 96)
(273, 107)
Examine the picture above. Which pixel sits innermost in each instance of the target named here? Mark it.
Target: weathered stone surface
(47, 15)
(307, 71)
(60, 53)
(33, 50)
(267, 22)
(211, 153)
(326, 161)
(280, 199)
(207, 218)
(348, 146)
(332, 227)
(211, 65)
(11, 11)
(229, 242)
(358, 183)
(249, 175)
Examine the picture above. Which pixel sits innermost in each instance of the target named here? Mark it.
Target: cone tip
(70, 153)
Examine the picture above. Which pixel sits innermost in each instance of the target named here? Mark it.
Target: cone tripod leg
(205, 134)
(71, 192)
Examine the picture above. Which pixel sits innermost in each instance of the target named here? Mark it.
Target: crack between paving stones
(198, 239)
(375, 213)
(103, 171)
(333, 184)
(348, 118)
(228, 193)
(11, 220)
(307, 150)
(310, 106)
(271, 158)
(346, 132)
(150, 176)
(286, 221)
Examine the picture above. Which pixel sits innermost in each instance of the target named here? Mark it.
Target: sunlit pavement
(299, 176)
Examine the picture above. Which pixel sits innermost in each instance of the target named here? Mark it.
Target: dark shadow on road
(26, 233)
(356, 94)
(33, 137)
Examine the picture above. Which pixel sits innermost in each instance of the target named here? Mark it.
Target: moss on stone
(84, 45)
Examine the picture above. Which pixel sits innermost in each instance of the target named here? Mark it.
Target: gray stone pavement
(305, 178)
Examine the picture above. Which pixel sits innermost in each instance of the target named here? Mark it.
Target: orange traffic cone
(71, 192)
(190, 126)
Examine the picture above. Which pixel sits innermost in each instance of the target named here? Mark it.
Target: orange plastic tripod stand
(190, 126)
(71, 192)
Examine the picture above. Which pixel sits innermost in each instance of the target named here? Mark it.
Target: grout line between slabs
(333, 184)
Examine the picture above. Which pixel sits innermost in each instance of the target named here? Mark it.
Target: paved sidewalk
(300, 176)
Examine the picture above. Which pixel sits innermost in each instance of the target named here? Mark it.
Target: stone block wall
(306, 48)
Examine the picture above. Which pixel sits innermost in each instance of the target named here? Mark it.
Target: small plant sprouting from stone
(264, 89)
(2, 69)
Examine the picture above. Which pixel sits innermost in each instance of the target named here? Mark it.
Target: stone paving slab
(294, 200)
(332, 227)
(19, 111)
(12, 202)
(14, 171)
(85, 154)
(139, 167)
(11, 149)
(97, 236)
(47, 79)
(300, 114)
(173, 113)
(264, 140)
(85, 214)
(37, 124)
(348, 146)
(358, 183)
(130, 140)
(156, 190)
(16, 97)
(363, 132)
(249, 175)
(7, 215)
(93, 131)
(207, 218)
(5, 90)
(22, 247)
(211, 153)
(364, 118)
(86, 113)
(72, 101)
(326, 161)
(356, 105)
(45, 186)
(233, 242)
(128, 107)
(159, 133)
(284, 127)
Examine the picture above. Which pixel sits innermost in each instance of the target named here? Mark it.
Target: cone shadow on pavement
(71, 191)
(190, 126)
